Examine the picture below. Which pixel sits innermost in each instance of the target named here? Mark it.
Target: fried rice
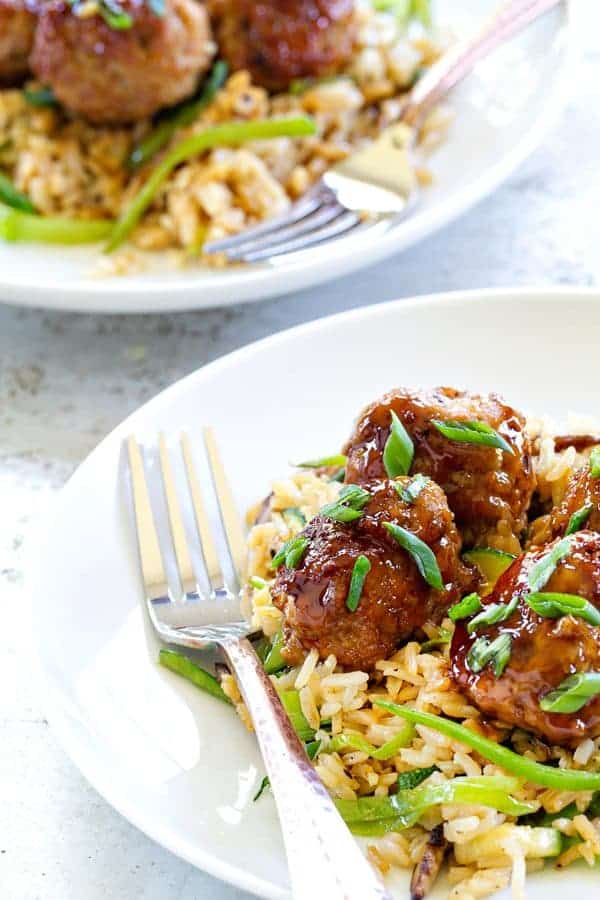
(68, 167)
(488, 851)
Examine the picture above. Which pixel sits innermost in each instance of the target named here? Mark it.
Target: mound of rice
(343, 700)
(69, 167)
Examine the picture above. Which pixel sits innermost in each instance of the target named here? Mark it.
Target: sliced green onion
(350, 740)
(41, 97)
(493, 614)
(338, 459)
(409, 780)
(572, 693)
(311, 748)
(21, 226)
(472, 433)
(496, 652)
(553, 606)
(114, 15)
(443, 637)
(291, 553)
(595, 462)
(521, 766)
(541, 572)
(420, 552)
(339, 476)
(183, 115)
(375, 816)
(228, 134)
(361, 569)
(183, 666)
(10, 195)
(265, 783)
(293, 707)
(468, 606)
(274, 661)
(409, 492)
(579, 518)
(257, 583)
(399, 449)
(293, 517)
(349, 504)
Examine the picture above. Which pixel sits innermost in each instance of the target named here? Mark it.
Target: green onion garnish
(595, 462)
(228, 134)
(579, 518)
(483, 652)
(183, 666)
(420, 552)
(41, 97)
(257, 583)
(409, 780)
(541, 572)
(472, 433)
(572, 693)
(293, 707)
(468, 606)
(409, 492)
(265, 783)
(291, 553)
(338, 459)
(21, 226)
(312, 748)
(10, 195)
(553, 606)
(442, 637)
(349, 740)
(399, 449)
(493, 614)
(114, 15)
(274, 661)
(349, 505)
(536, 773)
(361, 569)
(293, 517)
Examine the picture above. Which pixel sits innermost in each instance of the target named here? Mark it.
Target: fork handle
(461, 58)
(323, 857)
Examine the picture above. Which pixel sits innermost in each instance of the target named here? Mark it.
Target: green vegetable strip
(578, 519)
(411, 491)
(274, 661)
(179, 118)
(339, 459)
(536, 773)
(541, 572)
(265, 783)
(13, 197)
(472, 433)
(378, 815)
(292, 706)
(422, 554)
(361, 569)
(493, 614)
(553, 606)
(349, 505)
(341, 743)
(399, 449)
(20, 226)
(496, 652)
(41, 97)
(291, 553)
(183, 666)
(468, 606)
(595, 462)
(572, 694)
(442, 637)
(409, 780)
(228, 134)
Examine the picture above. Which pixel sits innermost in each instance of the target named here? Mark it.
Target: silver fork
(320, 849)
(376, 185)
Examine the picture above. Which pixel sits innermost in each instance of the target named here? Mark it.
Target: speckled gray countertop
(66, 380)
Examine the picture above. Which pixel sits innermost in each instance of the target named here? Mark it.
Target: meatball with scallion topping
(474, 446)
(17, 26)
(531, 656)
(121, 74)
(279, 41)
(369, 571)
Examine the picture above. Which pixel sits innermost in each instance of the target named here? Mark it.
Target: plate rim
(262, 281)
(56, 705)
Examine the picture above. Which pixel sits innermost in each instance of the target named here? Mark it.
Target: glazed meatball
(543, 651)
(582, 493)
(280, 40)
(17, 25)
(396, 600)
(121, 75)
(487, 489)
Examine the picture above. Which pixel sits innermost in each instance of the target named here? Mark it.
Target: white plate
(174, 761)
(502, 113)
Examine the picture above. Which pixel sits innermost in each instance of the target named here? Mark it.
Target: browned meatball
(395, 600)
(17, 25)
(280, 40)
(120, 75)
(543, 652)
(487, 489)
(582, 493)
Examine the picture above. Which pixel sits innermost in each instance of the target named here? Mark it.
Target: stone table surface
(66, 380)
